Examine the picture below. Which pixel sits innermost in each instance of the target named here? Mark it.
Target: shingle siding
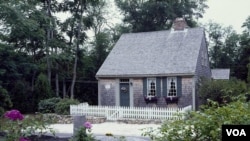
(201, 69)
(138, 93)
(186, 98)
(108, 97)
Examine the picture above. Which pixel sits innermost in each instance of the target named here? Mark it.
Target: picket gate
(118, 112)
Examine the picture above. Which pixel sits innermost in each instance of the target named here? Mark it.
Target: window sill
(150, 99)
(171, 99)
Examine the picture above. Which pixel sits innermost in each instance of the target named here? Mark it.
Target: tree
(223, 43)
(152, 15)
(102, 41)
(244, 52)
(42, 88)
(16, 72)
(50, 6)
(75, 27)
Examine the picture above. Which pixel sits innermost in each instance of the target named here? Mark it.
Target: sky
(227, 13)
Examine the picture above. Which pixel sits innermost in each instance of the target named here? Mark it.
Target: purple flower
(13, 115)
(23, 139)
(87, 125)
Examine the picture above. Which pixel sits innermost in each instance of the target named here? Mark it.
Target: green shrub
(42, 87)
(63, 107)
(221, 91)
(1, 112)
(204, 125)
(48, 105)
(6, 102)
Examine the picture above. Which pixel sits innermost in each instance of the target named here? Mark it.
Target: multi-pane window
(171, 86)
(124, 80)
(151, 87)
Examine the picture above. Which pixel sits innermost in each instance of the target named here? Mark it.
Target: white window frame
(151, 90)
(169, 80)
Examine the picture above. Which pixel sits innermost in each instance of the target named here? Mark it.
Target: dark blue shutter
(158, 87)
(145, 86)
(179, 87)
(164, 86)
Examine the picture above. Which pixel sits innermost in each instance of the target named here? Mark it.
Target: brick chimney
(179, 24)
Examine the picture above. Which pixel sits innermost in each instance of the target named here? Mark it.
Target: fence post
(78, 122)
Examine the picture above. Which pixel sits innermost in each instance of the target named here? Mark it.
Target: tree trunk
(47, 44)
(76, 52)
(57, 78)
(64, 88)
(74, 79)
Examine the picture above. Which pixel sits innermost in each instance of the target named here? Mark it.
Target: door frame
(131, 98)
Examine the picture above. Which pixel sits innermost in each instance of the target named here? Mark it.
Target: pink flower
(13, 115)
(23, 139)
(87, 125)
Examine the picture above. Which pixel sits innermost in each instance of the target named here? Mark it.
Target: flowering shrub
(87, 125)
(13, 115)
(84, 133)
(18, 128)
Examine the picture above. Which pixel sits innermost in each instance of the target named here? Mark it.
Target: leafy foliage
(18, 126)
(204, 125)
(63, 106)
(5, 101)
(221, 91)
(48, 105)
(243, 61)
(42, 88)
(152, 15)
(224, 45)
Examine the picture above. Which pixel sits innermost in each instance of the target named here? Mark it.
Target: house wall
(107, 92)
(109, 97)
(202, 71)
(187, 88)
(138, 95)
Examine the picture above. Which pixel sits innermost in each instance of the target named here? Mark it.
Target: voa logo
(236, 132)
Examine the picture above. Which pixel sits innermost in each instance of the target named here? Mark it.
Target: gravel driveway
(131, 132)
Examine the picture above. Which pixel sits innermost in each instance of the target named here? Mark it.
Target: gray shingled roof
(156, 53)
(220, 73)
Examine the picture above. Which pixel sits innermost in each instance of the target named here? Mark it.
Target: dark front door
(124, 94)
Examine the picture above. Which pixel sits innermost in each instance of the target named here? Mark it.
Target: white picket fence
(117, 112)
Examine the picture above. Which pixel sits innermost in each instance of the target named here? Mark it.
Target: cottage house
(159, 68)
